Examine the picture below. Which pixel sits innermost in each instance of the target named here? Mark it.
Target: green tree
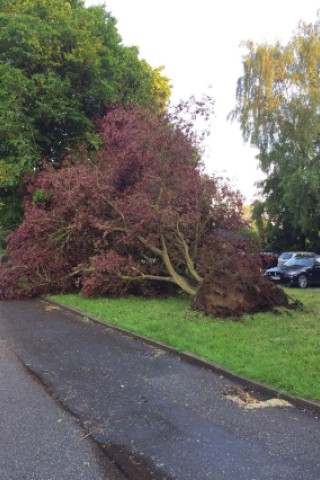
(60, 65)
(278, 106)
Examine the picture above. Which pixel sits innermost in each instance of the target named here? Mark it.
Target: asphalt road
(155, 416)
(39, 439)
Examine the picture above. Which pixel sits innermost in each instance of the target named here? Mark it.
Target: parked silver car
(285, 256)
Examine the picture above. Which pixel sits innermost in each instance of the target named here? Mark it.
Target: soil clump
(225, 295)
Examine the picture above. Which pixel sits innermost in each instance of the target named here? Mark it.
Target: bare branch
(153, 249)
(188, 259)
(142, 276)
(104, 227)
(178, 279)
(174, 276)
(80, 271)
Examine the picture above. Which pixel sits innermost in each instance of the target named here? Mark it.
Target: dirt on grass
(225, 295)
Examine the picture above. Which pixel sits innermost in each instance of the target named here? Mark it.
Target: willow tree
(60, 65)
(278, 105)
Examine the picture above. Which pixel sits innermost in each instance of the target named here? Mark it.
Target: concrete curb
(264, 389)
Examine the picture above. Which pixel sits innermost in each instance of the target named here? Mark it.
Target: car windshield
(299, 262)
(285, 255)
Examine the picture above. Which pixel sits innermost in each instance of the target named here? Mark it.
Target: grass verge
(281, 349)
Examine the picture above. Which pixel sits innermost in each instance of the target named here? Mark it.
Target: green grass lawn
(281, 349)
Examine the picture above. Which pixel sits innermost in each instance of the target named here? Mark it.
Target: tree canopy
(60, 64)
(140, 210)
(278, 102)
(140, 217)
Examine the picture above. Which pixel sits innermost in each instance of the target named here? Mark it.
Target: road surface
(157, 417)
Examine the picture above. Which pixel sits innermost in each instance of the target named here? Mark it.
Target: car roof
(304, 257)
(302, 254)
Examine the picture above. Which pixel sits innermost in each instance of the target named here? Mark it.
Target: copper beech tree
(140, 217)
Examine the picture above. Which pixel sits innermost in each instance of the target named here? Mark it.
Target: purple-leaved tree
(140, 217)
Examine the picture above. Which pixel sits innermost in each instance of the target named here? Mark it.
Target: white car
(285, 256)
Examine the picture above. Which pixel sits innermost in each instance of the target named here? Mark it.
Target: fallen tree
(139, 218)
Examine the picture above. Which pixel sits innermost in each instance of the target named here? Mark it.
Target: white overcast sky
(198, 43)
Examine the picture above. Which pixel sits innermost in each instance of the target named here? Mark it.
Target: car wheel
(302, 281)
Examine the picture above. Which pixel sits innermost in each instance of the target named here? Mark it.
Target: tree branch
(174, 276)
(112, 205)
(188, 259)
(142, 276)
(79, 271)
(178, 279)
(153, 249)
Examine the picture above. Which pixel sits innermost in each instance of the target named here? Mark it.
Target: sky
(199, 44)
